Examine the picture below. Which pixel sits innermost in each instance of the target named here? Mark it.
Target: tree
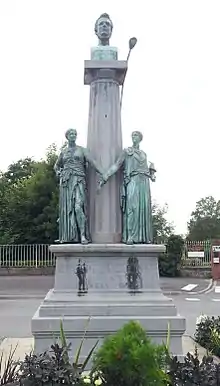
(21, 169)
(169, 262)
(29, 204)
(161, 226)
(205, 220)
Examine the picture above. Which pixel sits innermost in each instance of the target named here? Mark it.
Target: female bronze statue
(71, 170)
(135, 192)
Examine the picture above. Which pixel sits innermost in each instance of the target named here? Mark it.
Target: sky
(171, 93)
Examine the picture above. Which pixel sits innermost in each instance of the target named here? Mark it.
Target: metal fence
(16, 256)
(197, 254)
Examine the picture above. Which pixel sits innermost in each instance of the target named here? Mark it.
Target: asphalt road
(38, 286)
(21, 296)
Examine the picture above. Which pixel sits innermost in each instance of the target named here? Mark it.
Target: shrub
(54, 367)
(205, 327)
(192, 372)
(169, 262)
(129, 358)
(167, 267)
(47, 368)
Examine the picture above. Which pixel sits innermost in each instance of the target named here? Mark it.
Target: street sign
(195, 254)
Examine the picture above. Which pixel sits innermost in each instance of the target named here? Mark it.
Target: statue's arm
(91, 161)
(116, 166)
(58, 164)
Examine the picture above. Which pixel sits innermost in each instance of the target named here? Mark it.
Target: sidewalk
(26, 345)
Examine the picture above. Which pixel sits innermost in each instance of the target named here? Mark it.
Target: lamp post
(132, 43)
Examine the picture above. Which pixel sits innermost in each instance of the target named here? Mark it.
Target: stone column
(105, 144)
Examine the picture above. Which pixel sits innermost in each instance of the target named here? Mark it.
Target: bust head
(137, 137)
(71, 135)
(103, 29)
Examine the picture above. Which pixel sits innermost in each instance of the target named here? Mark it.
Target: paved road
(20, 297)
(37, 286)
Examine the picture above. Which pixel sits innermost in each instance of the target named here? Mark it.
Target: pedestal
(122, 284)
(105, 144)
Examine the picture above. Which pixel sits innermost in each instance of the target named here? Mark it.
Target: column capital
(104, 69)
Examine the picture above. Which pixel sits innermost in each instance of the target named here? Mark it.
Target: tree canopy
(161, 226)
(205, 220)
(29, 204)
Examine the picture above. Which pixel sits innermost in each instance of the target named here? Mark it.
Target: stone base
(121, 284)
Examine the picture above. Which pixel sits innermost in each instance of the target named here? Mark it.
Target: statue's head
(71, 135)
(137, 137)
(103, 28)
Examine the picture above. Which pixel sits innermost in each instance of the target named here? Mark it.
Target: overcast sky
(172, 90)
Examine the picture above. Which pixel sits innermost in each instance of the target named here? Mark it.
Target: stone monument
(106, 262)
(105, 74)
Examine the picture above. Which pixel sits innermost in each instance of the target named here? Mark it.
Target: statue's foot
(84, 240)
(130, 241)
(58, 241)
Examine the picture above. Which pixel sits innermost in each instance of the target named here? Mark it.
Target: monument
(106, 262)
(105, 74)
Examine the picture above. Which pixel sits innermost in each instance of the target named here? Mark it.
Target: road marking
(193, 299)
(217, 289)
(189, 287)
(216, 300)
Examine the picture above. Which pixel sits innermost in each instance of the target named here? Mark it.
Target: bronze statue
(71, 170)
(103, 29)
(135, 192)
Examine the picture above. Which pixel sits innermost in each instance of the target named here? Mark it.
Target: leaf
(89, 355)
(8, 369)
(81, 343)
(168, 338)
(64, 343)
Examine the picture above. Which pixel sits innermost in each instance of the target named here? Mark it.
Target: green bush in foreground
(129, 358)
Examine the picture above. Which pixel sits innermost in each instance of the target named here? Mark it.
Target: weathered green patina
(135, 192)
(103, 30)
(71, 170)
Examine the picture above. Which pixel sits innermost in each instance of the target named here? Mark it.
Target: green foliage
(54, 366)
(169, 262)
(76, 364)
(193, 372)
(20, 170)
(9, 369)
(47, 368)
(161, 227)
(29, 202)
(208, 333)
(129, 358)
(204, 223)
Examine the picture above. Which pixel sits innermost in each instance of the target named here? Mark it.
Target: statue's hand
(102, 181)
(153, 178)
